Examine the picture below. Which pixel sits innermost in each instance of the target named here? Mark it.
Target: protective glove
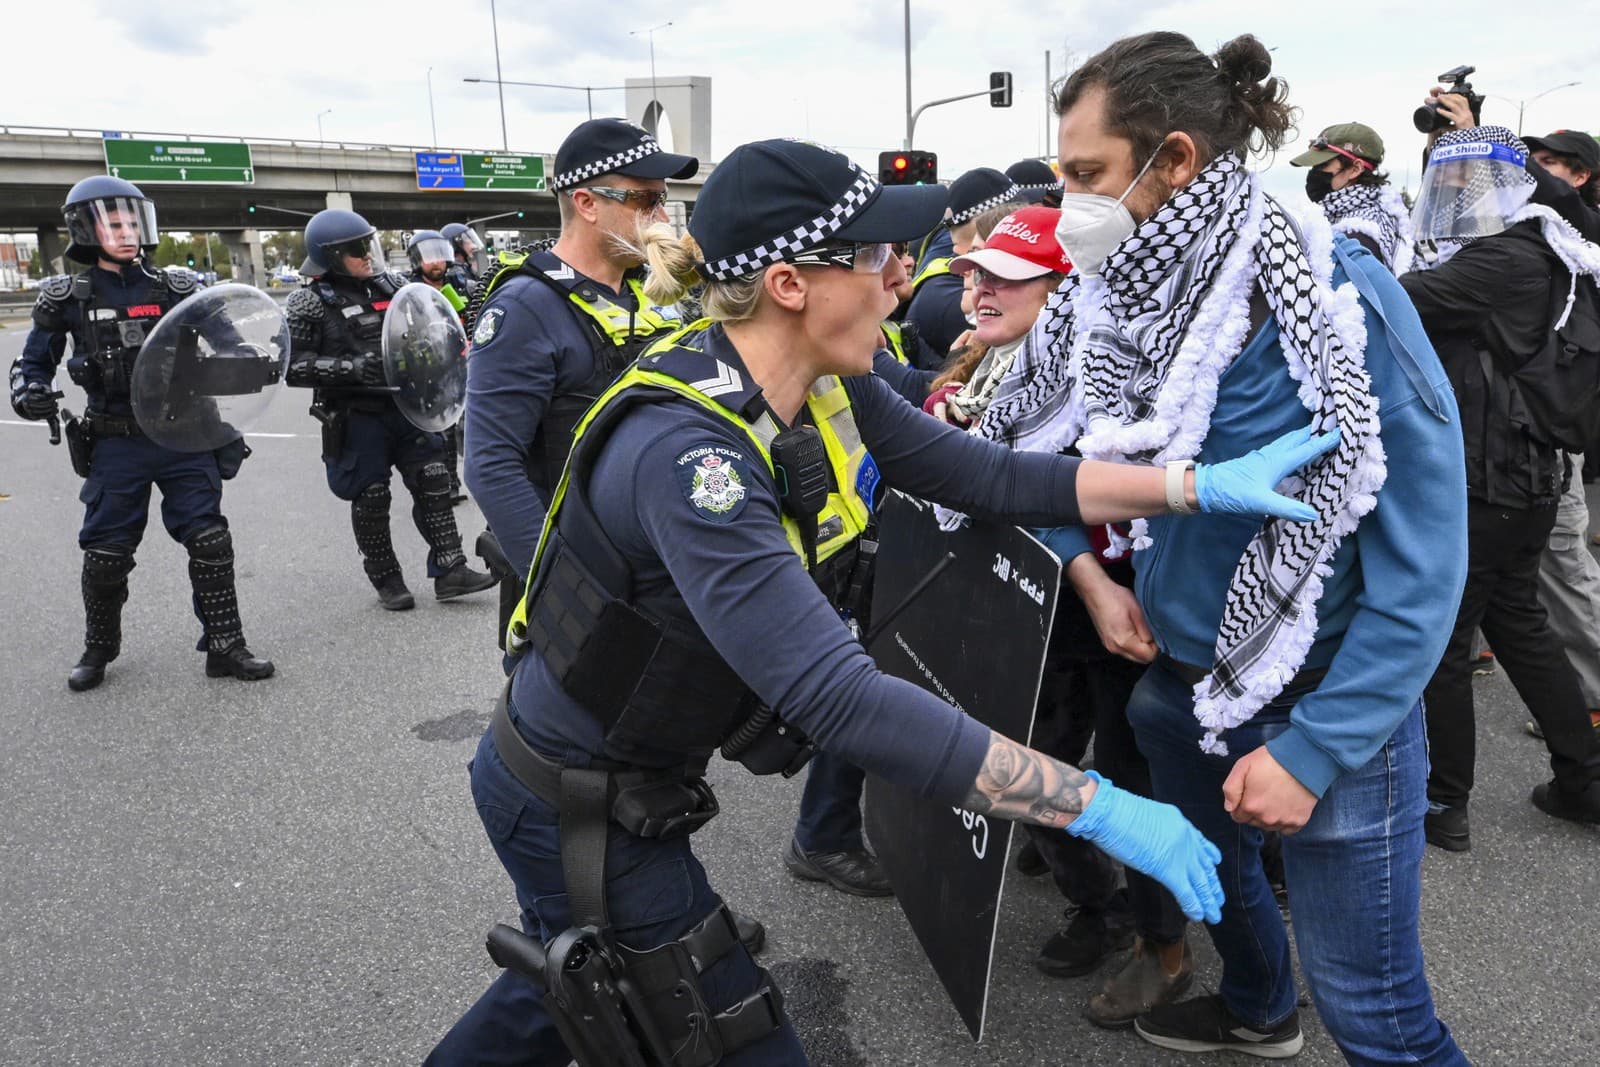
(369, 370)
(1156, 839)
(34, 401)
(1247, 485)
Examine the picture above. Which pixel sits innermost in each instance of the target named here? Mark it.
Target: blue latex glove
(1245, 486)
(1154, 838)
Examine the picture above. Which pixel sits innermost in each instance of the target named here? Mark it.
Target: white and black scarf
(1125, 367)
(1377, 212)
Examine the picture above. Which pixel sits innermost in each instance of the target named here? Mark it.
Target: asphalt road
(204, 871)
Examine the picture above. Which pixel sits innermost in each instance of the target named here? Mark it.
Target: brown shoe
(1140, 984)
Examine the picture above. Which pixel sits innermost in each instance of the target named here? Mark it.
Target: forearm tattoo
(1026, 786)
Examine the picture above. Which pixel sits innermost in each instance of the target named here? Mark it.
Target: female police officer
(670, 611)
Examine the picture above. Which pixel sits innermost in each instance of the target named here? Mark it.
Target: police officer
(671, 611)
(1038, 183)
(108, 310)
(470, 255)
(555, 327)
(433, 263)
(335, 329)
(935, 307)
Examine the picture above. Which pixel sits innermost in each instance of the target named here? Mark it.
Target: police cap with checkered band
(769, 200)
(615, 146)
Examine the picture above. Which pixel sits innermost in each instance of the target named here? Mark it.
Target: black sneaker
(237, 662)
(461, 580)
(854, 871)
(393, 594)
(1446, 827)
(1089, 940)
(1205, 1024)
(1553, 800)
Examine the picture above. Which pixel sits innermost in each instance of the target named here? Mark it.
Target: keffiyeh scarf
(1377, 212)
(1125, 367)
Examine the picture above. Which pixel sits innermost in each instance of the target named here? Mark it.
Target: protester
(1355, 195)
(935, 309)
(1200, 319)
(1491, 308)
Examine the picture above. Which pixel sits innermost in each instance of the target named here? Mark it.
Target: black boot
(430, 490)
(369, 517)
(105, 590)
(237, 662)
(461, 580)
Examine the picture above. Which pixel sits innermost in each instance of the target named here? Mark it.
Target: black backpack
(1560, 383)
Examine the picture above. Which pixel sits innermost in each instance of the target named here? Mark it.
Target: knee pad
(106, 568)
(373, 500)
(432, 479)
(214, 544)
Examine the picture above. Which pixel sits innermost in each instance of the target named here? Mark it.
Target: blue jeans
(830, 807)
(656, 891)
(1354, 874)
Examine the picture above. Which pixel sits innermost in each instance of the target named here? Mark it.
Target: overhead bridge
(38, 165)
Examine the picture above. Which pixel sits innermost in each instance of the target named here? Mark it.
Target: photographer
(1476, 196)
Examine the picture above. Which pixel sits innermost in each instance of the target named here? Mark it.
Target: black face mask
(1319, 183)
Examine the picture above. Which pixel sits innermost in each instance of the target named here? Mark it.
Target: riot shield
(947, 865)
(208, 371)
(425, 357)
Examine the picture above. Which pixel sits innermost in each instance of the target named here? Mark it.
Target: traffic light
(251, 207)
(519, 214)
(191, 259)
(1000, 88)
(912, 167)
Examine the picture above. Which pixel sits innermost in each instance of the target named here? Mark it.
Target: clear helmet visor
(470, 251)
(359, 257)
(431, 250)
(114, 223)
(1470, 190)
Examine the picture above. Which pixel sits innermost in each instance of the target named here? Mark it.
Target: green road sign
(503, 171)
(224, 162)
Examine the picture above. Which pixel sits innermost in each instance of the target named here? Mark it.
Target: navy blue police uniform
(720, 568)
(107, 314)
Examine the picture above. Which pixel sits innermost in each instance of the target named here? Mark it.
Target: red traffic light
(908, 167)
(901, 162)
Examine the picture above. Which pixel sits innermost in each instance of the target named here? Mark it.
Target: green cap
(1352, 137)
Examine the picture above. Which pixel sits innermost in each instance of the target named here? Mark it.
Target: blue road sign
(439, 170)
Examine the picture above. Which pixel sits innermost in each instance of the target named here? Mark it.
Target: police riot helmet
(1475, 183)
(429, 246)
(468, 246)
(103, 210)
(335, 238)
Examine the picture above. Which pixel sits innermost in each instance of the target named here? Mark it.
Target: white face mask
(1092, 226)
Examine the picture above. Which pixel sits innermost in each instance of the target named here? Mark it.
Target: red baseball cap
(1022, 246)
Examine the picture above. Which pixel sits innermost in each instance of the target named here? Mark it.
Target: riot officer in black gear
(108, 310)
(433, 263)
(335, 328)
(471, 255)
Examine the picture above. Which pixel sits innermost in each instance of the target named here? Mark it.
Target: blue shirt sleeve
(938, 462)
(706, 506)
(511, 376)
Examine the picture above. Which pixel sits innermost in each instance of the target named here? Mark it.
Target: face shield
(113, 224)
(469, 250)
(1471, 189)
(431, 252)
(359, 257)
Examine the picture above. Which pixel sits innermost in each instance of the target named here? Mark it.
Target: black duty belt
(1303, 682)
(648, 803)
(99, 424)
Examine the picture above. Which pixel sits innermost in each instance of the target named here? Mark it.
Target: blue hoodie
(1390, 604)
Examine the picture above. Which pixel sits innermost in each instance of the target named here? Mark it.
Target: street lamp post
(651, 34)
(324, 111)
(909, 121)
(432, 122)
(505, 139)
(1522, 105)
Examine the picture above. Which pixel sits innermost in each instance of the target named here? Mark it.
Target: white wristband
(1177, 499)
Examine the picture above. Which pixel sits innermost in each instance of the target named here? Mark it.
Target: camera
(1427, 118)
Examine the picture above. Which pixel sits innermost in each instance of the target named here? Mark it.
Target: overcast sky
(830, 70)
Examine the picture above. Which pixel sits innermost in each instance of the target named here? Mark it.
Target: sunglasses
(1320, 144)
(646, 199)
(355, 249)
(869, 259)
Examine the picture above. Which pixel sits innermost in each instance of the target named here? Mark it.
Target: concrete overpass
(38, 165)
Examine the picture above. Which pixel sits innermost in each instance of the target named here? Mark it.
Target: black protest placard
(977, 640)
